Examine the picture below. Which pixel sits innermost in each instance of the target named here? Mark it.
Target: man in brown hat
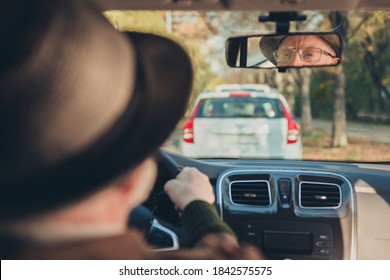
(83, 109)
(299, 50)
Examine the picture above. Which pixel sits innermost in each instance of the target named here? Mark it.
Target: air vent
(256, 193)
(319, 195)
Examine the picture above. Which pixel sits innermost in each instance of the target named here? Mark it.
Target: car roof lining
(243, 5)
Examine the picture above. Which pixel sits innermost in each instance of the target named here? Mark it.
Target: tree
(306, 117)
(373, 41)
(368, 67)
(339, 123)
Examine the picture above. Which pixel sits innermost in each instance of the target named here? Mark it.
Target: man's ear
(137, 183)
(128, 181)
(335, 60)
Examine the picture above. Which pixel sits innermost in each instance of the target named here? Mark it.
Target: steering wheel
(157, 218)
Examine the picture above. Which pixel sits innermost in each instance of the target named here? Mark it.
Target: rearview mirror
(284, 51)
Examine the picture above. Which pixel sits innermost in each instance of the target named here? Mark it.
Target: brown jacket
(131, 246)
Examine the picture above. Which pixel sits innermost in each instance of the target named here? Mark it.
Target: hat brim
(162, 89)
(269, 44)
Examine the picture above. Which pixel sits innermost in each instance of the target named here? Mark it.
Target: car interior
(290, 209)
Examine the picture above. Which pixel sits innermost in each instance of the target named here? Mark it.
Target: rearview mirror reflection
(292, 50)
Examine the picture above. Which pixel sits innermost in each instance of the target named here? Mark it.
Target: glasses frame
(299, 51)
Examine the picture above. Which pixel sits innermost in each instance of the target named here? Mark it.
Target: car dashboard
(303, 209)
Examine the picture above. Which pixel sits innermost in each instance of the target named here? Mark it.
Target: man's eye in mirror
(293, 50)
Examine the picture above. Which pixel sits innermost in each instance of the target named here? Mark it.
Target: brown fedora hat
(80, 103)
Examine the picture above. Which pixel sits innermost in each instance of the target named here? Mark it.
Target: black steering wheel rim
(159, 207)
(165, 209)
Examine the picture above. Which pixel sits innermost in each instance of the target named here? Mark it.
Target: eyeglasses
(310, 54)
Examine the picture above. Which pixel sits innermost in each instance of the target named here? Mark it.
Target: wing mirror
(284, 51)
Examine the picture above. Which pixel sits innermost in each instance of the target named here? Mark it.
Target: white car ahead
(241, 121)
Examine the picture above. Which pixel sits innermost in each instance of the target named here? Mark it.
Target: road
(376, 132)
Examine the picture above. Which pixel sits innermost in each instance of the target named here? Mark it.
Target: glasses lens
(311, 54)
(283, 55)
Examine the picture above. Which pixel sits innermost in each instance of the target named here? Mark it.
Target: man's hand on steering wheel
(188, 186)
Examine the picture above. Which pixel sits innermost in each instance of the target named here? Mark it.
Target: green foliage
(368, 64)
(360, 87)
(321, 94)
(368, 34)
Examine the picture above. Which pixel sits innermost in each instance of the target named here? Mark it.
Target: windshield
(239, 107)
(328, 113)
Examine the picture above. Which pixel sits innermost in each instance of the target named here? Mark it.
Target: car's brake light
(239, 94)
(292, 132)
(292, 127)
(188, 129)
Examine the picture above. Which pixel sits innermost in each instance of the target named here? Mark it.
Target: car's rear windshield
(240, 107)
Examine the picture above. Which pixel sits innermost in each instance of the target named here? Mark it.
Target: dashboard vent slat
(319, 195)
(254, 193)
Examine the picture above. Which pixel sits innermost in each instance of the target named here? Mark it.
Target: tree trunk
(339, 128)
(339, 124)
(305, 75)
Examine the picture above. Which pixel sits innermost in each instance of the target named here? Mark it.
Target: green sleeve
(200, 218)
